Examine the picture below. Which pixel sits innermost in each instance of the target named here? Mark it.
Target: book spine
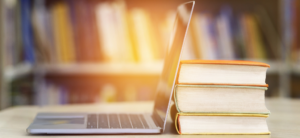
(175, 99)
(177, 124)
(27, 32)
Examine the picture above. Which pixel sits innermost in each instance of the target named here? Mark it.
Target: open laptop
(122, 123)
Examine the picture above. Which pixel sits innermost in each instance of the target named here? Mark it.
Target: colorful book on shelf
(126, 48)
(220, 124)
(254, 46)
(223, 99)
(63, 33)
(108, 32)
(295, 50)
(222, 72)
(224, 29)
(85, 29)
(203, 36)
(269, 34)
(238, 39)
(40, 22)
(10, 43)
(145, 43)
(112, 21)
(27, 32)
(165, 30)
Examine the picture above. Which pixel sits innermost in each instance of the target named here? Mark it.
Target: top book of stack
(222, 72)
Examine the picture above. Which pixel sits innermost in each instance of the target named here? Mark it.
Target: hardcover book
(222, 72)
(219, 124)
(220, 99)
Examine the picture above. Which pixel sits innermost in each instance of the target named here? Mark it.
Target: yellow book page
(63, 33)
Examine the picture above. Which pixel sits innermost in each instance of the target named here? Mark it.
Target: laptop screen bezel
(160, 122)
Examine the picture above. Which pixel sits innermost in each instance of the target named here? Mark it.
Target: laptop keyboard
(116, 121)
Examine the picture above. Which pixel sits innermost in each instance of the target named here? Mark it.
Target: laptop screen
(171, 63)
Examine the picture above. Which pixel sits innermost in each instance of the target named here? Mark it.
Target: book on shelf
(85, 31)
(292, 29)
(188, 52)
(129, 93)
(112, 20)
(203, 39)
(165, 30)
(225, 33)
(254, 45)
(63, 35)
(22, 91)
(27, 32)
(108, 32)
(50, 94)
(74, 92)
(125, 46)
(270, 35)
(10, 41)
(41, 27)
(108, 93)
(66, 32)
(142, 31)
(58, 94)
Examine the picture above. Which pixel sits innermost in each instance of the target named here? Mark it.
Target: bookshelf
(11, 73)
(57, 71)
(1, 54)
(103, 69)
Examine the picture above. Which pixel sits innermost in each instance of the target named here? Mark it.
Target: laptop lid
(171, 63)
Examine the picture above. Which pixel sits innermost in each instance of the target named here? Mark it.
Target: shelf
(13, 72)
(103, 68)
(123, 68)
(154, 68)
(275, 65)
(295, 68)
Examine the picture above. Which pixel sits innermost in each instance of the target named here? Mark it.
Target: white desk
(284, 121)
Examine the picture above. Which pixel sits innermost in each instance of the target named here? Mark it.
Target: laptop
(126, 123)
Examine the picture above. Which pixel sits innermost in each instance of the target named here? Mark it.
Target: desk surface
(284, 120)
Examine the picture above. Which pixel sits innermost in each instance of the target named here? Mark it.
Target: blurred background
(91, 51)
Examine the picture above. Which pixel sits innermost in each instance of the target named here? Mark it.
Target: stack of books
(221, 97)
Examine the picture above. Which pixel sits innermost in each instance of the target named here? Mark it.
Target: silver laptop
(122, 123)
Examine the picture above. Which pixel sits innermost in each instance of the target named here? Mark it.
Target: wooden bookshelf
(103, 68)
(39, 71)
(275, 65)
(11, 73)
(295, 68)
